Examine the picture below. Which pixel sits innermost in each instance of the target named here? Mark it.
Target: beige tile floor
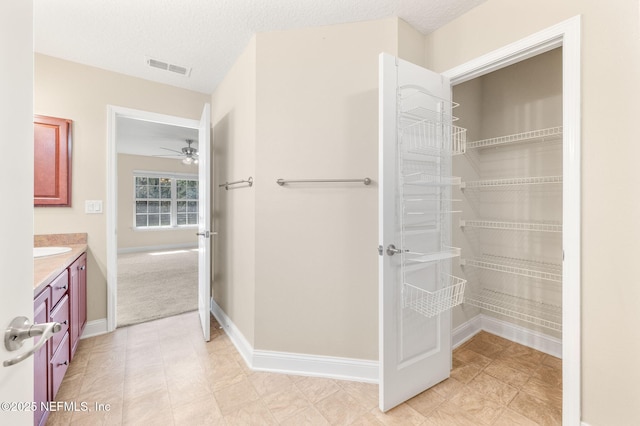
(162, 373)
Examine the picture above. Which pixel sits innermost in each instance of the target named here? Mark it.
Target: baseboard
(94, 328)
(235, 335)
(183, 246)
(533, 339)
(317, 366)
(466, 331)
(295, 363)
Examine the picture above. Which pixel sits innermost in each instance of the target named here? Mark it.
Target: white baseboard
(533, 339)
(357, 370)
(295, 363)
(157, 248)
(466, 331)
(237, 338)
(94, 328)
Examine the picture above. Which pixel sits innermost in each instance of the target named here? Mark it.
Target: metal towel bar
(237, 182)
(281, 182)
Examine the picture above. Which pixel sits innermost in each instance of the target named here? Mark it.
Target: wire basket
(426, 137)
(432, 303)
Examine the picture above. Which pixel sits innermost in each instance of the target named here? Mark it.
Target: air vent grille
(178, 69)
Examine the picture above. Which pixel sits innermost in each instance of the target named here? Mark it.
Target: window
(165, 200)
(187, 201)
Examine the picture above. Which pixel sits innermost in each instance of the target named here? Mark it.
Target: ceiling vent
(178, 69)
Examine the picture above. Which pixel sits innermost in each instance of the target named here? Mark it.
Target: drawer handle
(64, 287)
(64, 322)
(63, 363)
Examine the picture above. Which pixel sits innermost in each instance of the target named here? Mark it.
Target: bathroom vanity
(60, 295)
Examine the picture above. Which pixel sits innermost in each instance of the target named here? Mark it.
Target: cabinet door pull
(83, 267)
(63, 363)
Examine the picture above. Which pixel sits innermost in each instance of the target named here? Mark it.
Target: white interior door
(204, 221)
(416, 290)
(16, 223)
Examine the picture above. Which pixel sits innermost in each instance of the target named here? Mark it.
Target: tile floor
(162, 373)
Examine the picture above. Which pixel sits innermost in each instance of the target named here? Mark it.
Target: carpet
(154, 285)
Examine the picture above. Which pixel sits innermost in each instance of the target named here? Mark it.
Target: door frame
(113, 114)
(565, 34)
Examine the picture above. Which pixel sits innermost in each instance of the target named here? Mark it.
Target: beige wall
(316, 258)
(128, 238)
(233, 111)
(296, 266)
(610, 70)
(81, 93)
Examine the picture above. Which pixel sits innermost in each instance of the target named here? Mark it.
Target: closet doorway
(423, 275)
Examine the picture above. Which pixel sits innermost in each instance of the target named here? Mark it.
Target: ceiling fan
(190, 153)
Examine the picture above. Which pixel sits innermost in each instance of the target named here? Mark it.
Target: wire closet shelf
(426, 141)
(530, 311)
(542, 135)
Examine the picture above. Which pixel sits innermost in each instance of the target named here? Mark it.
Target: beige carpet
(156, 286)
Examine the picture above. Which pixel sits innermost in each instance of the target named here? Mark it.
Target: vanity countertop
(46, 269)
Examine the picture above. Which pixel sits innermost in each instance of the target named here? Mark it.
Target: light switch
(93, 206)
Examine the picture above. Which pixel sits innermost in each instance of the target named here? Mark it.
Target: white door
(416, 290)
(204, 221)
(16, 219)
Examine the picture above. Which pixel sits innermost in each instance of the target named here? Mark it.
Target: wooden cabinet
(52, 166)
(63, 301)
(78, 286)
(42, 376)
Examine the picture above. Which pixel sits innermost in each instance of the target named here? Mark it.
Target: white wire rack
(420, 178)
(542, 135)
(426, 142)
(511, 226)
(533, 312)
(446, 253)
(515, 268)
(416, 102)
(432, 303)
(517, 181)
(426, 137)
(416, 114)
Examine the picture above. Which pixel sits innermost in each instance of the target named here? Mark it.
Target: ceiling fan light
(195, 161)
(187, 160)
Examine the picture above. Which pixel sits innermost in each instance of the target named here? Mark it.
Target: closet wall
(296, 265)
(510, 224)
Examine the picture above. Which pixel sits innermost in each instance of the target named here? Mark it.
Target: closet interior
(509, 225)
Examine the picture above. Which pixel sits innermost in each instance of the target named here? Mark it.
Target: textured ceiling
(204, 35)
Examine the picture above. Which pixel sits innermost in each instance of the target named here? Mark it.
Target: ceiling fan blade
(172, 150)
(167, 155)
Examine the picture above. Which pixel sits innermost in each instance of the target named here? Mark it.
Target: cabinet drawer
(59, 364)
(59, 287)
(60, 313)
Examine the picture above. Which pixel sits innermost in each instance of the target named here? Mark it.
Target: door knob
(206, 234)
(21, 329)
(391, 250)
